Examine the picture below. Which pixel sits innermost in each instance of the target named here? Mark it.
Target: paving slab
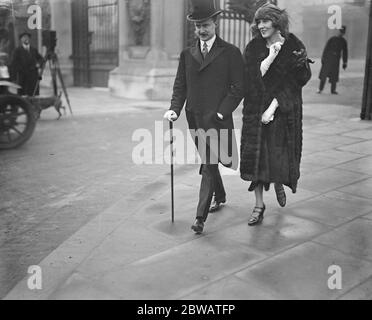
(361, 188)
(329, 179)
(369, 216)
(362, 134)
(361, 292)
(171, 274)
(129, 243)
(329, 158)
(356, 124)
(231, 288)
(330, 130)
(338, 140)
(279, 232)
(302, 273)
(361, 147)
(354, 238)
(332, 208)
(312, 145)
(362, 165)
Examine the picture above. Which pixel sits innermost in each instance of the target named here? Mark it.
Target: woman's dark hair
(271, 12)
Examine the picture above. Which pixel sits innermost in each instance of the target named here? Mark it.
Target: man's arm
(179, 88)
(236, 92)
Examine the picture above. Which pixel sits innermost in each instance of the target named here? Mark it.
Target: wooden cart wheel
(17, 121)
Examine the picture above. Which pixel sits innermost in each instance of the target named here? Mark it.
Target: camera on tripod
(50, 40)
(51, 59)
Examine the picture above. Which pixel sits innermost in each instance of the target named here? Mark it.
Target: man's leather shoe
(216, 205)
(198, 226)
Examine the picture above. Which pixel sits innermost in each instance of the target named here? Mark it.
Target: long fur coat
(272, 153)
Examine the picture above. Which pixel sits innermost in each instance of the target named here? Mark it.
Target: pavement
(131, 250)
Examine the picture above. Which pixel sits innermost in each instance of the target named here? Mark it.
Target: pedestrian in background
(210, 79)
(335, 49)
(277, 68)
(25, 65)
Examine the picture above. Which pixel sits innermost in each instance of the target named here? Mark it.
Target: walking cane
(172, 166)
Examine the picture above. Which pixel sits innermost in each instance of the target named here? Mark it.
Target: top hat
(25, 33)
(203, 10)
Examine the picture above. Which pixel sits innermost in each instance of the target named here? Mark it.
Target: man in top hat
(210, 79)
(25, 65)
(335, 48)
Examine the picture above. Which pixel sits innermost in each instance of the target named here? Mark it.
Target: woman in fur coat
(277, 68)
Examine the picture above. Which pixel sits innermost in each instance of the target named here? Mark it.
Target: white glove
(170, 116)
(274, 51)
(269, 114)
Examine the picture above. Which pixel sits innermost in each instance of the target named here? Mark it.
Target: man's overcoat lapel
(217, 48)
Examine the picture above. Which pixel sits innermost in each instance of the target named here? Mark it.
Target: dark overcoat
(210, 86)
(335, 48)
(24, 69)
(272, 153)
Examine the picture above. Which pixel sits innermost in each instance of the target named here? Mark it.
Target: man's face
(266, 28)
(25, 40)
(205, 30)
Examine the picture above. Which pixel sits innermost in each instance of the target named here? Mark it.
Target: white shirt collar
(27, 47)
(210, 43)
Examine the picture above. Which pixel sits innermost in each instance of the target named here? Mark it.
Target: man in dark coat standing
(335, 48)
(25, 66)
(210, 79)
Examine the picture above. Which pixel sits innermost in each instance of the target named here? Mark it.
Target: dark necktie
(205, 50)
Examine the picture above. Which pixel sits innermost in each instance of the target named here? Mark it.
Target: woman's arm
(269, 114)
(274, 51)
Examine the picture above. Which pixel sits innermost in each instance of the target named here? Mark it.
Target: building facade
(132, 46)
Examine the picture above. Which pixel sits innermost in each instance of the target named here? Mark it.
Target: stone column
(123, 31)
(152, 76)
(61, 22)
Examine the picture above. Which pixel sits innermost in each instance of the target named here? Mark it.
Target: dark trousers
(322, 85)
(28, 82)
(211, 184)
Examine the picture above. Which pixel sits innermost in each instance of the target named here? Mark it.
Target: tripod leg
(40, 75)
(59, 73)
(53, 68)
(36, 87)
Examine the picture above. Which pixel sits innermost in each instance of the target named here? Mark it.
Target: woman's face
(266, 28)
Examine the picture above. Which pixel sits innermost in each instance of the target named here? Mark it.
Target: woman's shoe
(280, 195)
(257, 216)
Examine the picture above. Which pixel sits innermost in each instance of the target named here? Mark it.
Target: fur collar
(260, 51)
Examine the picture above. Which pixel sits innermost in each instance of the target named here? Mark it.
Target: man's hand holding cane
(171, 116)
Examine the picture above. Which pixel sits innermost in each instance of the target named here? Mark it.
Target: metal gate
(233, 27)
(95, 41)
(80, 43)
